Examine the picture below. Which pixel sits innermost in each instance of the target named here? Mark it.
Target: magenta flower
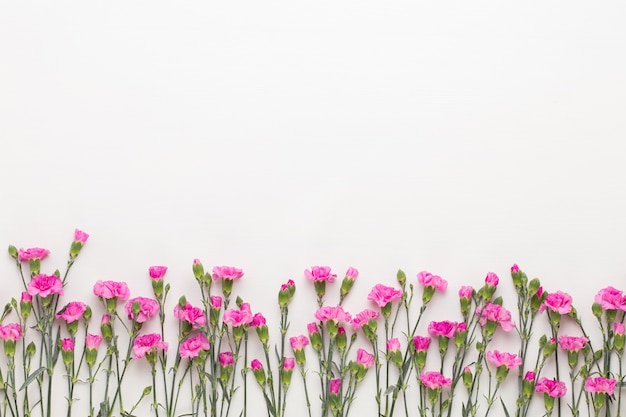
(216, 302)
(572, 343)
(352, 273)
(466, 292)
(289, 363)
(496, 314)
(442, 328)
(26, 297)
(241, 317)
(429, 280)
(393, 345)
(515, 268)
(610, 298)
(558, 302)
(192, 315)
(492, 279)
(298, 342)
(363, 318)
(45, 285)
(258, 320)
(530, 375)
(336, 314)
(256, 365)
(72, 311)
(312, 328)
(157, 272)
(111, 289)
(226, 359)
(227, 272)
(335, 386)
(434, 380)
(383, 295)
(11, 331)
(31, 254)
(364, 359)
(551, 387)
(92, 341)
(320, 273)
(510, 360)
(618, 328)
(148, 343)
(421, 343)
(148, 308)
(80, 236)
(600, 384)
(192, 346)
(67, 345)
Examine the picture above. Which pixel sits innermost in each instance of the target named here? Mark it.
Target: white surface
(453, 137)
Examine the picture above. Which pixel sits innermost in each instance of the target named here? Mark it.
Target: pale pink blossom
(600, 384)
(618, 328)
(492, 279)
(429, 280)
(148, 343)
(434, 380)
(364, 358)
(320, 273)
(298, 342)
(80, 236)
(227, 272)
(510, 360)
(442, 328)
(421, 343)
(289, 363)
(111, 289)
(157, 272)
(226, 359)
(611, 298)
(466, 291)
(241, 317)
(336, 314)
(312, 328)
(352, 273)
(192, 315)
(495, 313)
(92, 341)
(363, 318)
(148, 308)
(216, 302)
(572, 343)
(11, 331)
(552, 387)
(44, 285)
(191, 347)
(382, 295)
(558, 302)
(72, 311)
(31, 254)
(26, 297)
(393, 345)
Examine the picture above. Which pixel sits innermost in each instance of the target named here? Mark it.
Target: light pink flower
(25, 255)
(226, 359)
(111, 289)
(45, 285)
(11, 331)
(364, 358)
(72, 311)
(618, 328)
(67, 344)
(193, 315)
(241, 317)
(434, 380)
(298, 342)
(393, 345)
(363, 318)
(320, 273)
(312, 328)
(510, 360)
(466, 291)
(216, 302)
(227, 272)
(80, 236)
(552, 387)
(289, 363)
(352, 273)
(148, 343)
(336, 314)
(559, 302)
(492, 279)
(429, 280)
(157, 272)
(148, 308)
(442, 328)
(496, 313)
(92, 341)
(600, 384)
(191, 347)
(256, 365)
(421, 343)
(572, 343)
(26, 297)
(335, 386)
(382, 295)
(610, 298)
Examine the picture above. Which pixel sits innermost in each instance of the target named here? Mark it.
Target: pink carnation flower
(192, 315)
(335, 386)
(364, 359)
(572, 343)
(289, 363)
(383, 295)
(312, 328)
(157, 272)
(559, 302)
(191, 347)
(610, 298)
(434, 380)
(111, 289)
(258, 320)
(442, 328)
(320, 273)
(510, 360)
(619, 328)
(492, 279)
(72, 311)
(148, 308)
(227, 272)
(256, 365)
(148, 343)
(552, 387)
(496, 313)
(421, 343)
(25, 255)
(12, 331)
(67, 344)
(352, 273)
(45, 285)
(600, 384)
(216, 302)
(298, 342)
(466, 291)
(515, 268)
(393, 345)
(363, 318)
(336, 314)
(241, 317)
(429, 280)
(226, 359)
(80, 236)
(92, 341)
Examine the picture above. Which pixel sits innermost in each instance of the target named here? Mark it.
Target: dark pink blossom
(192, 315)
(421, 343)
(442, 328)
(298, 342)
(320, 273)
(497, 314)
(364, 358)
(492, 279)
(241, 317)
(572, 343)
(45, 285)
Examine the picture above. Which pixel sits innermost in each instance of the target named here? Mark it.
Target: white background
(449, 136)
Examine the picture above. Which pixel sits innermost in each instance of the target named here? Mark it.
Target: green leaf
(506, 412)
(32, 377)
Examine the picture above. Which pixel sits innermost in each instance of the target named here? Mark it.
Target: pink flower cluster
(192, 315)
(558, 302)
(44, 285)
(148, 308)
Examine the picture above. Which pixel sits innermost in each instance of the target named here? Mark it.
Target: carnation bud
(31, 349)
(198, 269)
(596, 310)
(467, 378)
(87, 314)
(401, 277)
(341, 340)
(13, 252)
